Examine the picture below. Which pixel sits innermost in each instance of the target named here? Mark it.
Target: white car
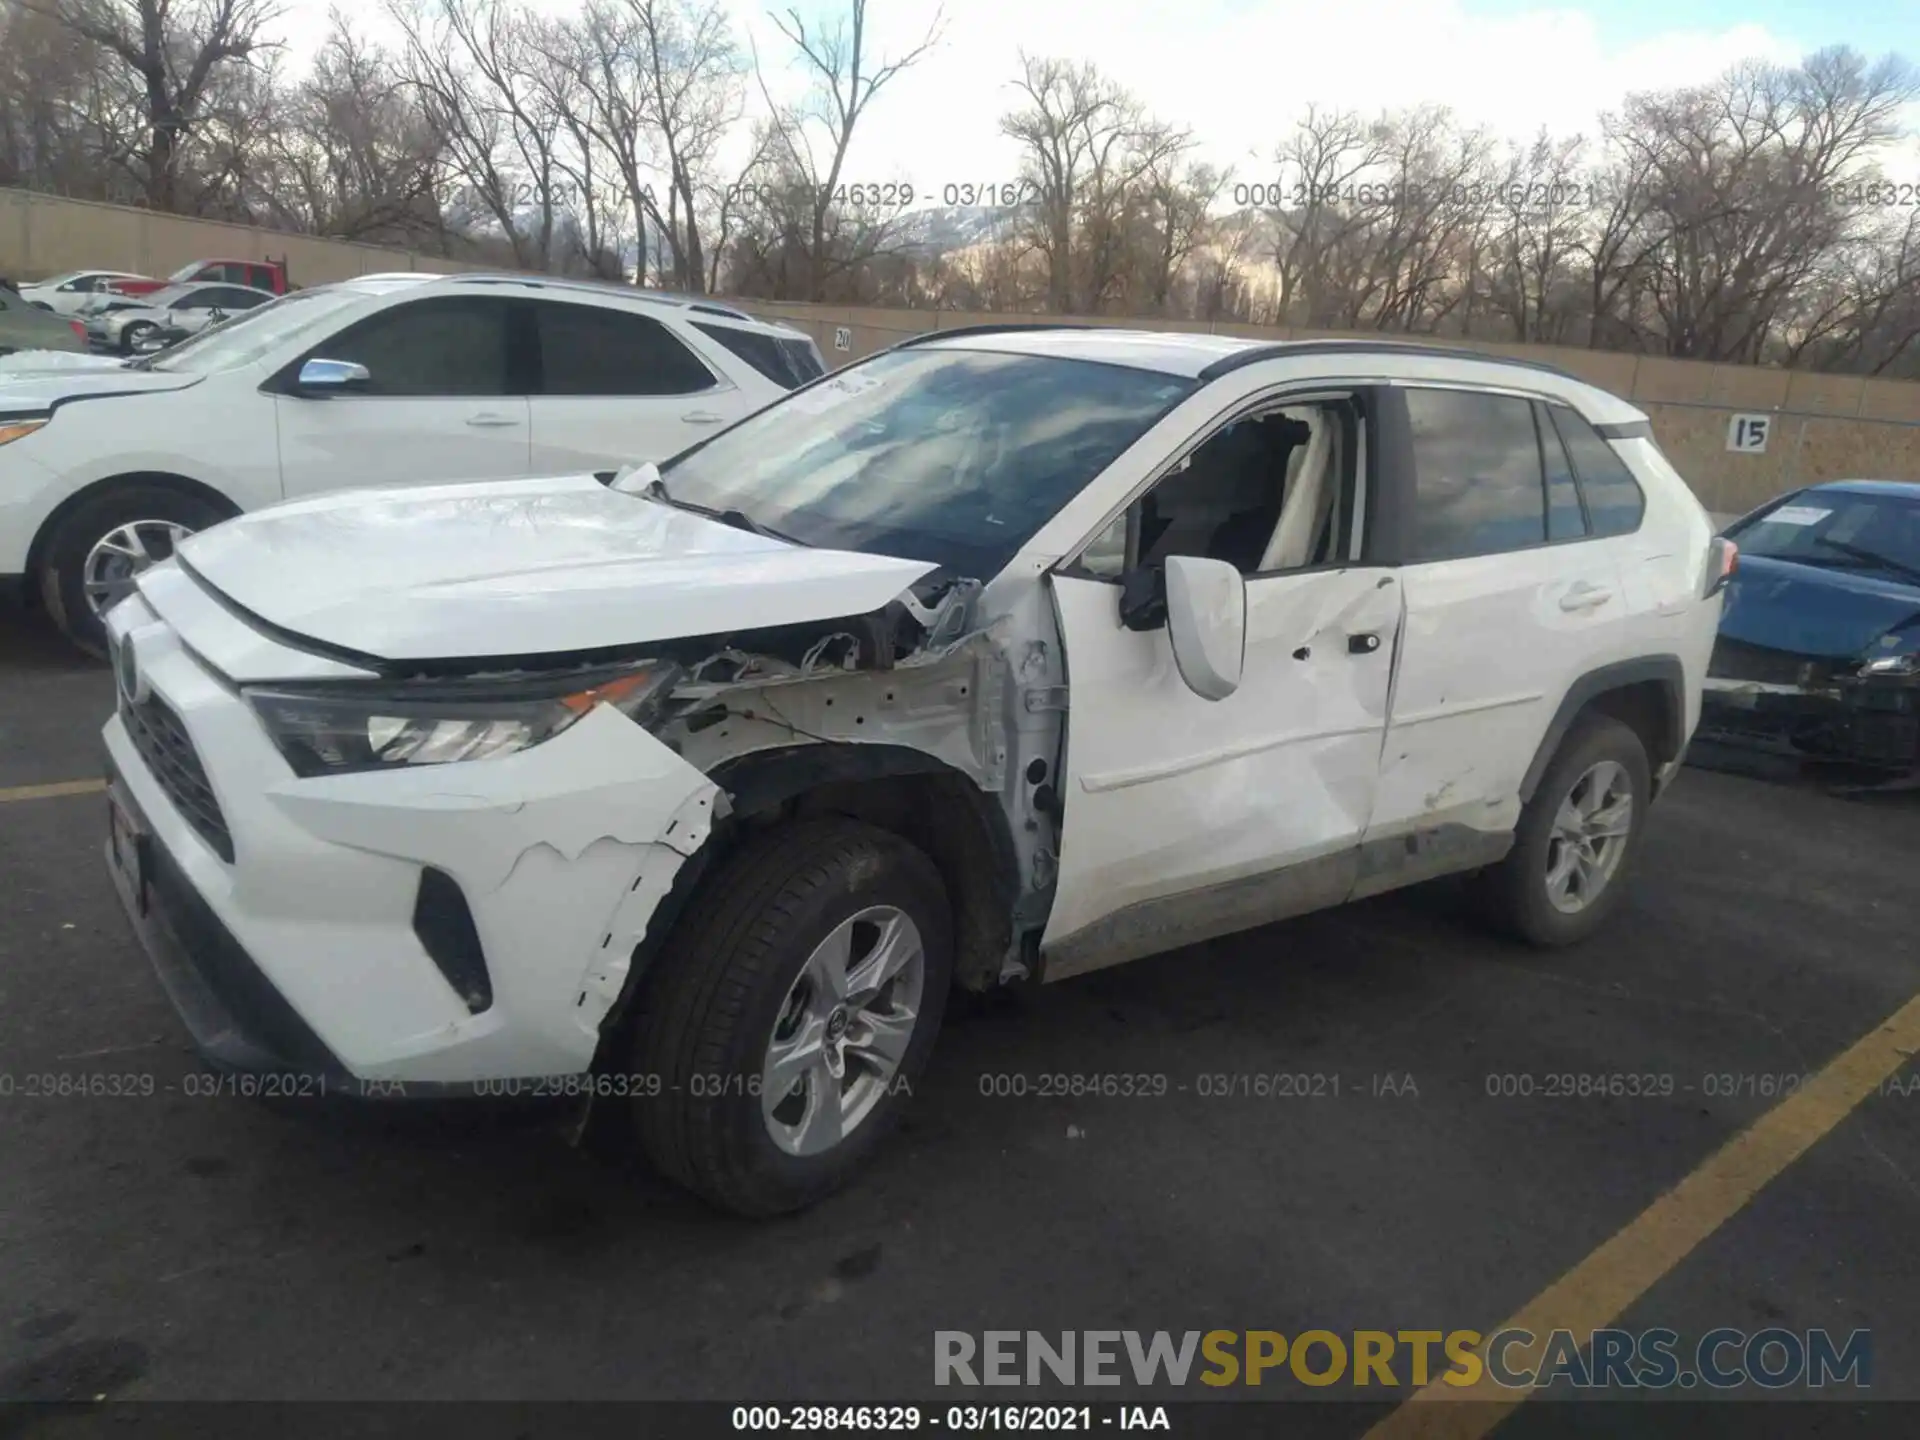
(65, 294)
(392, 379)
(1000, 655)
(118, 324)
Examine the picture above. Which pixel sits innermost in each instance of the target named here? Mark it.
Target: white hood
(37, 389)
(521, 567)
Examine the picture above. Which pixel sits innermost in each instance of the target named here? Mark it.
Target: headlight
(12, 430)
(332, 729)
(1892, 665)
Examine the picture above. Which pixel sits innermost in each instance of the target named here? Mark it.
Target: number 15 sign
(1747, 434)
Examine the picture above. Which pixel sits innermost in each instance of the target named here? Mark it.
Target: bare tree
(844, 81)
(175, 52)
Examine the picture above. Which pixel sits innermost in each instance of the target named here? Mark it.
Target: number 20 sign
(1747, 434)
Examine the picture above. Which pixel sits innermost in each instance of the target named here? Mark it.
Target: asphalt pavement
(181, 1245)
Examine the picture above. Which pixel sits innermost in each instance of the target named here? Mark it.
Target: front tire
(790, 1014)
(1576, 840)
(101, 546)
(131, 336)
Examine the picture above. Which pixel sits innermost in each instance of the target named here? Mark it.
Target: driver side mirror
(1206, 608)
(325, 376)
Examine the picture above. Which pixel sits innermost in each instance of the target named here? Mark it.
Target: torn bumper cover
(435, 926)
(1812, 709)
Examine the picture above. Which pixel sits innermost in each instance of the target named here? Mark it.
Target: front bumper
(1873, 724)
(304, 953)
(238, 1021)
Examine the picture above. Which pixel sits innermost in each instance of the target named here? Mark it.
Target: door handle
(1362, 644)
(702, 417)
(1582, 596)
(490, 420)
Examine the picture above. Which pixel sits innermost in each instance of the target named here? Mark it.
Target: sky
(1238, 72)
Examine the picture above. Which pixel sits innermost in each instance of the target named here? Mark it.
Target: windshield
(165, 297)
(253, 333)
(187, 272)
(951, 456)
(1840, 530)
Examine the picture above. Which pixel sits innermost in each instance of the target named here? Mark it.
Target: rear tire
(1562, 880)
(736, 993)
(63, 578)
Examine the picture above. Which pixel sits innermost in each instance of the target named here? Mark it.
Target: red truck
(268, 275)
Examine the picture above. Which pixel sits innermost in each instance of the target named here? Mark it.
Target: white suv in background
(66, 294)
(1001, 654)
(384, 380)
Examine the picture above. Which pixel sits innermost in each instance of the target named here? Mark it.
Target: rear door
(444, 402)
(1511, 596)
(613, 386)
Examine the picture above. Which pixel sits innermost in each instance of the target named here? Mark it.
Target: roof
(1902, 489)
(615, 289)
(1174, 352)
(1207, 357)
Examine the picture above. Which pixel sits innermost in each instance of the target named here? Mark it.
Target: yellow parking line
(1599, 1289)
(53, 791)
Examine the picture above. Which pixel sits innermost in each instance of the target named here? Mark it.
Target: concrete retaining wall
(43, 235)
(1824, 427)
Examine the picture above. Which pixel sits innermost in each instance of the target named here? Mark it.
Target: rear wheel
(1576, 838)
(99, 549)
(790, 1015)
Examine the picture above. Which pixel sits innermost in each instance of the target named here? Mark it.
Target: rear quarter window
(1615, 503)
(787, 363)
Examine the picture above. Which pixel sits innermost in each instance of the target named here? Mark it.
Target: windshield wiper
(1871, 557)
(738, 519)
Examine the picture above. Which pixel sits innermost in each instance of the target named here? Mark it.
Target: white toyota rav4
(1003, 654)
(384, 380)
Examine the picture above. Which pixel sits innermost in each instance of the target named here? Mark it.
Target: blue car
(1818, 656)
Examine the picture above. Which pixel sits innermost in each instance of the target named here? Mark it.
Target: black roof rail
(1288, 349)
(1005, 327)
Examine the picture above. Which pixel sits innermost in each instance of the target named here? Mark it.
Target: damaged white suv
(1004, 654)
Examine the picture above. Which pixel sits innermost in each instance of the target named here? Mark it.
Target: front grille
(163, 743)
(1737, 660)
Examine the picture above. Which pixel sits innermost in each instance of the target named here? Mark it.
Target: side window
(1612, 494)
(1271, 492)
(195, 300)
(448, 345)
(260, 276)
(1565, 519)
(588, 350)
(238, 298)
(1479, 489)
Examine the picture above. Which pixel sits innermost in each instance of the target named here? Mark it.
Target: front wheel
(131, 337)
(791, 1013)
(1576, 838)
(100, 548)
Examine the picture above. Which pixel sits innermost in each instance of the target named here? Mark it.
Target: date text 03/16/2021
(950, 1419)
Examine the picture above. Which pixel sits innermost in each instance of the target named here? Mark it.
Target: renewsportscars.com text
(1609, 1359)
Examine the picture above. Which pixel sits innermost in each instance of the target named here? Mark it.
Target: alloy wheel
(1589, 836)
(843, 1030)
(118, 557)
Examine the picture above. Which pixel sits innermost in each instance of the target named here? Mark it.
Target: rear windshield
(1839, 530)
